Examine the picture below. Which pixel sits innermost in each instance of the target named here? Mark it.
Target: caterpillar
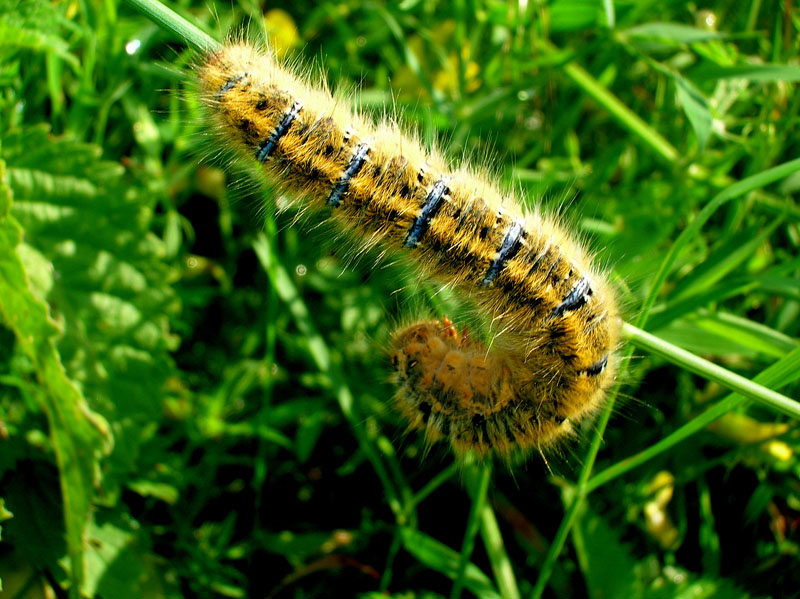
(555, 361)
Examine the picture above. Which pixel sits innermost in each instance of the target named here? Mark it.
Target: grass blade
(712, 372)
(781, 373)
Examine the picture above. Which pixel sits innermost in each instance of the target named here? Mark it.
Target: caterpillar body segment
(556, 361)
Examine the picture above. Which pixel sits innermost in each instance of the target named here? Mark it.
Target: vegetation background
(192, 389)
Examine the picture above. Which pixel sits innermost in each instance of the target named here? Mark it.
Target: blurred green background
(193, 396)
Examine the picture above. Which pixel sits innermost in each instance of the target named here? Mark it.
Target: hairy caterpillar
(555, 360)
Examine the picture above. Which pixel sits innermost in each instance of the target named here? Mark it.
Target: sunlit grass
(237, 358)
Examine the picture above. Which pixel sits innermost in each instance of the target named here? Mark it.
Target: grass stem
(712, 372)
(172, 21)
(473, 522)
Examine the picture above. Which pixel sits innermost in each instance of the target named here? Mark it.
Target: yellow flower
(281, 31)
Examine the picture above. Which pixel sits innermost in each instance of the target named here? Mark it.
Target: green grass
(192, 389)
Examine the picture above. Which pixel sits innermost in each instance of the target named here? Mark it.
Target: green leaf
(719, 292)
(696, 107)
(114, 559)
(33, 26)
(680, 584)
(308, 433)
(783, 372)
(612, 571)
(573, 15)
(780, 286)
(79, 435)
(298, 548)
(723, 260)
(148, 488)
(686, 334)
(674, 33)
(712, 372)
(38, 41)
(734, 190)
(746, 334)
(752, 72)
(111, 283)
(4, 515)
(608, 567)
(445, 560)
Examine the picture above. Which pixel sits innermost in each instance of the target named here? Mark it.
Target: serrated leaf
(79, 435)
(608, 566)
(16, 32)
(612, 571)
(114, 560)
(110, 283)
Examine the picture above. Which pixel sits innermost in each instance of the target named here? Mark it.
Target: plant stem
(473, 522)
(580, 493)
(498, 558)
(782, 372)
(712, 372)
(321, 356)
(433, 484)
(172, 21)
(624, 115)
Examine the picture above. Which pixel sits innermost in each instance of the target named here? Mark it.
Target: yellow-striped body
(556, 361)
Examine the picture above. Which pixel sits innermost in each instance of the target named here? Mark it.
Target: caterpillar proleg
(556, 360)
